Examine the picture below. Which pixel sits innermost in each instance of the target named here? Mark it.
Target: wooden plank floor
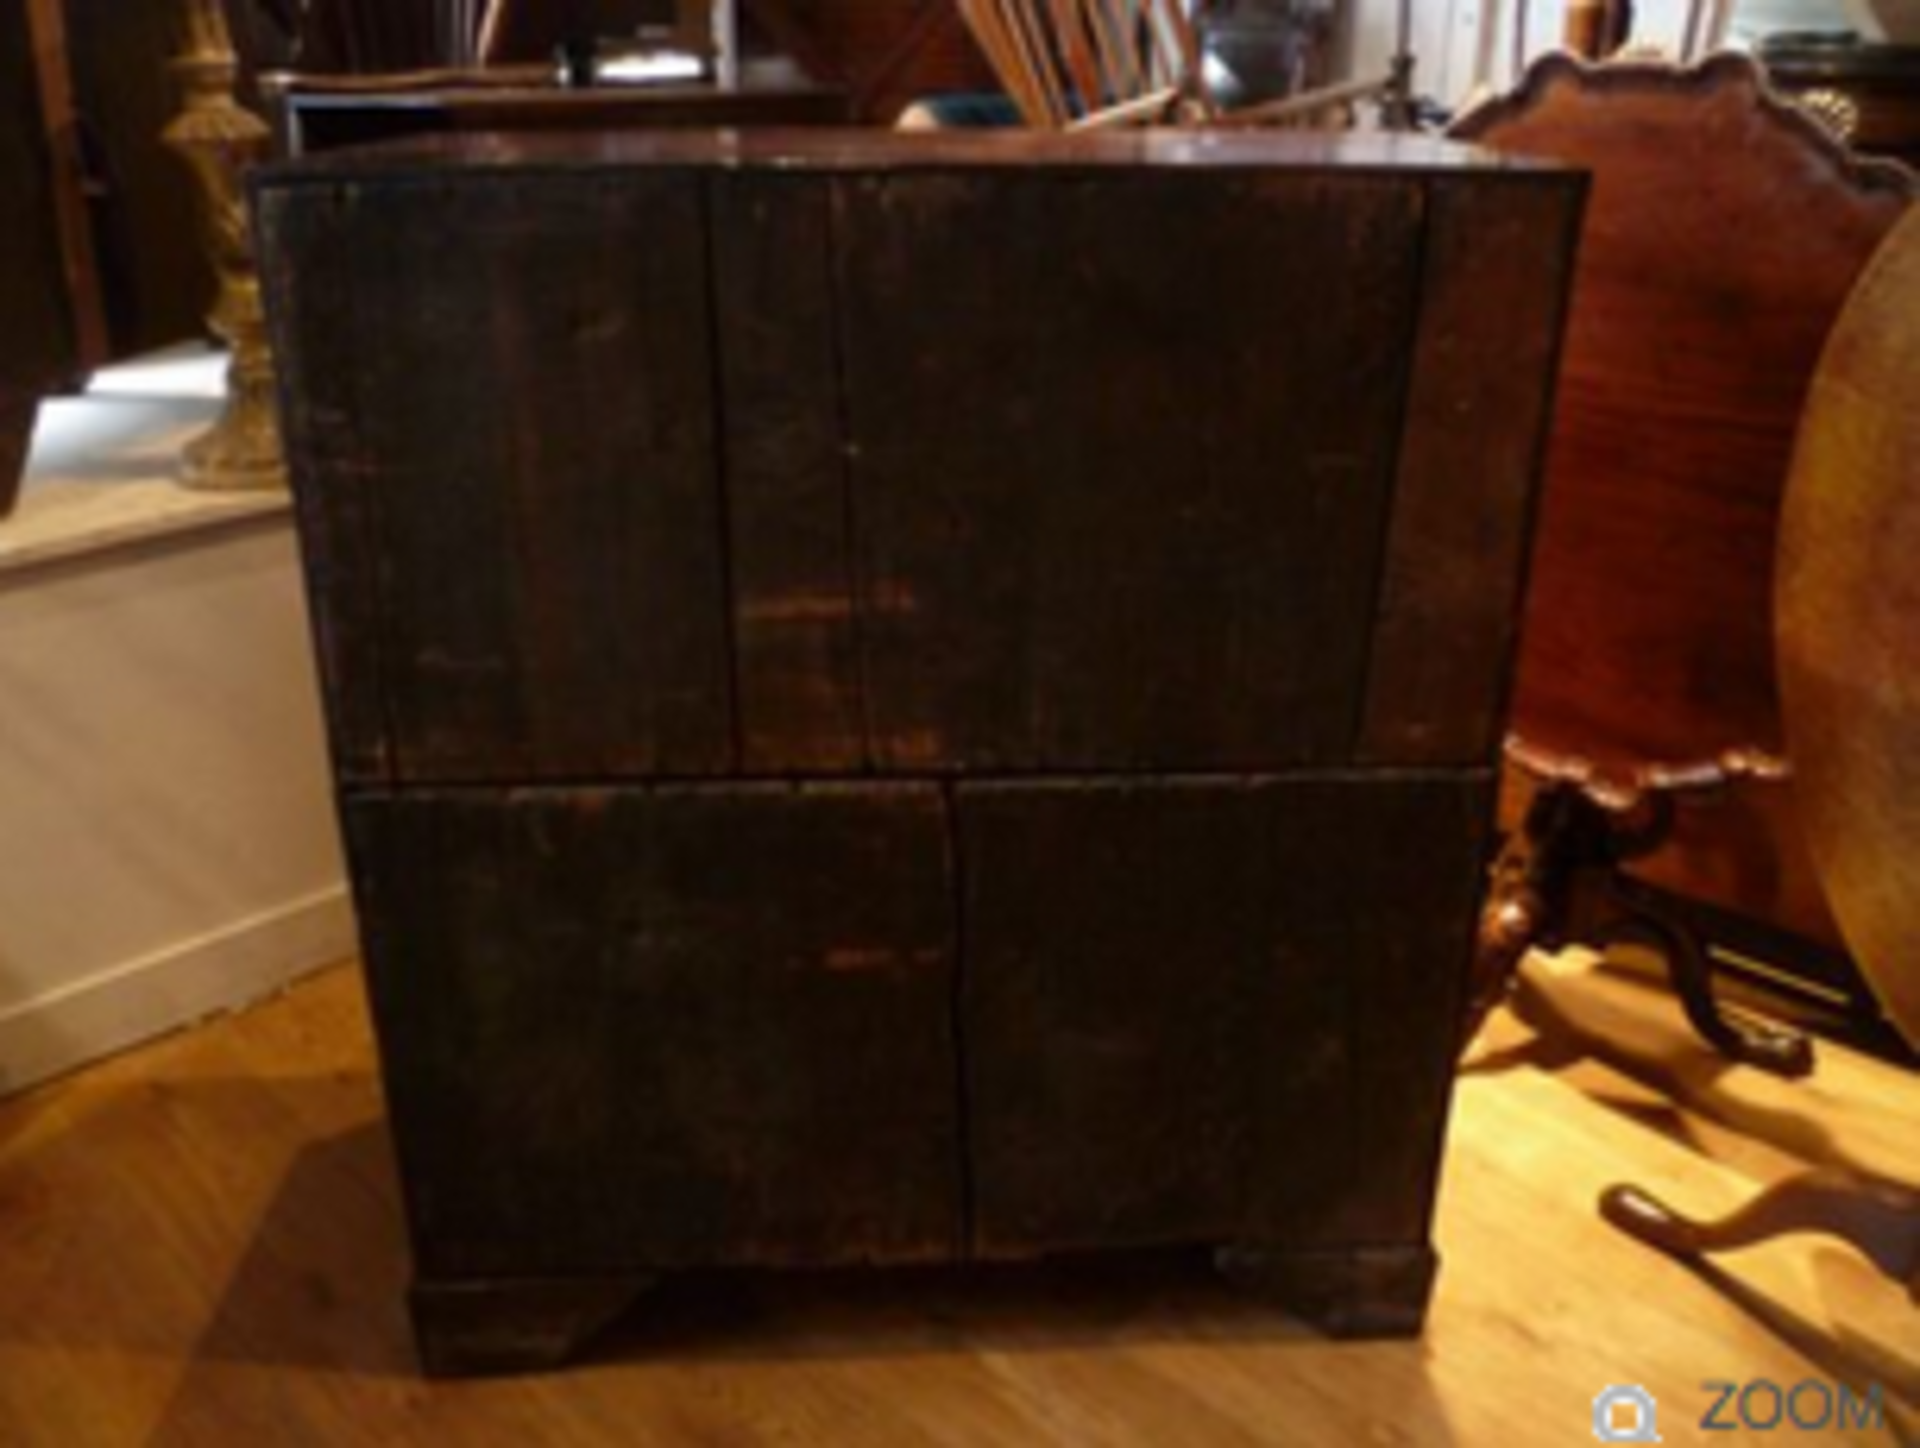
(200, 1245)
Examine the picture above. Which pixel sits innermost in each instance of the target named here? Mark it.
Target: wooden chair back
(1075, 64)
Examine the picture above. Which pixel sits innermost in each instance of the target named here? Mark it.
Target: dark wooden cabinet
(913, 699)
(322, 112)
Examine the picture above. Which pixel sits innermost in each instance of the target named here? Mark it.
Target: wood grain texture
(797, 637)
(640, 1029)
(1854, 1113)
(1361, 155)
(1698, 315)
(1725, 230)
(1119, 923)
(317, 331)
(708, 479)
(325, 113)
(1244, 996)
(1151, 537)
(1496, 269)
(542, 542)
(201, 1248)
(1849, 608)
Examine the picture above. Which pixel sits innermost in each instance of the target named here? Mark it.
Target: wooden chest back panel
(541, 546)
(796, 637)
(1201, 959)
(1498, 262)
(527, 952)
(319, 358)
(1208, 964)
(892, 709)
(1151, 537)
(1244, 494)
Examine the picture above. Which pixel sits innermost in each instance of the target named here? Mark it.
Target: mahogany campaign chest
(913, 699)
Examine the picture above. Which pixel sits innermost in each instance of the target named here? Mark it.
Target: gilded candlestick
(221, 140)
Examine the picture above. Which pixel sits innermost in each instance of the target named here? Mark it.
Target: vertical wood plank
(1112, 934)
(539, 450)
(1499, 259)
(1382, 878)
(1247, 992)
(705, 1024)
(1119, 506)
(307, 251)
(795, 633)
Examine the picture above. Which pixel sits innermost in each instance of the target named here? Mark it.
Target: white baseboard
(159, 993)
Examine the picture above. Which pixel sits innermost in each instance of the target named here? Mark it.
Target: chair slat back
(1072, 64)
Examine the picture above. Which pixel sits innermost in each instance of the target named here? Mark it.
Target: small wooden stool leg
(1345, 1292)
(470, 1328)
